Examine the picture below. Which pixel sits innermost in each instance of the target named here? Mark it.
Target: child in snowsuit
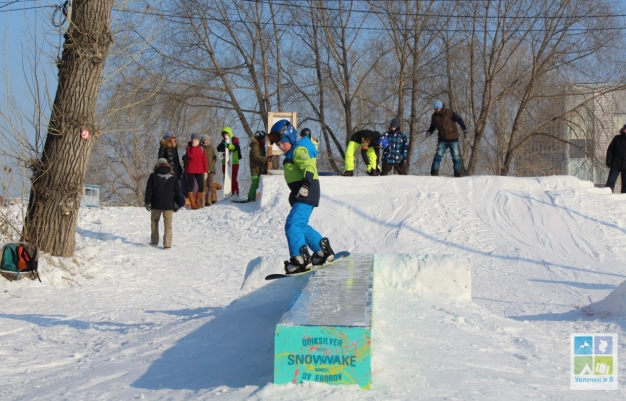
(301, 176)
(258, 162)
(196, 169)
(232, 142)
(370, 143)
(161, 191)
(396, 150)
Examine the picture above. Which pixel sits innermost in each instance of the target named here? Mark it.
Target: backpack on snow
(19, 260)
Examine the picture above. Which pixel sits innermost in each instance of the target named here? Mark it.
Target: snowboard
(240, 200)
(338, 256)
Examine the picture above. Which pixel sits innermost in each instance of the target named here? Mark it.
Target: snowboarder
(370, 143)
(395, 151)
(162, 189)
(443, 119)
(301, 176)
(616, 160)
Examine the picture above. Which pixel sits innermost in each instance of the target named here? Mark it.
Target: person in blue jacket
(300, 168)
(395, 151)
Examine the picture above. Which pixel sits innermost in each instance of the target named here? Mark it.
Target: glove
(176, 208)
(148, 206)
(303, 192)
(403, 162)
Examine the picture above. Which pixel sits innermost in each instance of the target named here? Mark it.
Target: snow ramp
(325, 334)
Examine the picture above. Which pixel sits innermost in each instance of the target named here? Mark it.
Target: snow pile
(614, 304)
(442, 276)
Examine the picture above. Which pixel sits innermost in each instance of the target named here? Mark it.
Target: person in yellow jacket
(370, 143)
(232, 142)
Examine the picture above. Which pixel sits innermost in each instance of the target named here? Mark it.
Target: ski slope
(122, 320)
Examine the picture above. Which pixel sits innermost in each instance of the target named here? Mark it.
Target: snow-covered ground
(122, 320)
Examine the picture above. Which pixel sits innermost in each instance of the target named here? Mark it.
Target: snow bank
(443, 276)
(614, 304)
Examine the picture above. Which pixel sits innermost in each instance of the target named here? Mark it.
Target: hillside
(122, 320)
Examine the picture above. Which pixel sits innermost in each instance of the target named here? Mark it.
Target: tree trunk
(59, 175)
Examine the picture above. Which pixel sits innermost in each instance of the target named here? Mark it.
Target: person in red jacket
(197, 169)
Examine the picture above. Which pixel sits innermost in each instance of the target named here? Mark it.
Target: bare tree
(58, 175)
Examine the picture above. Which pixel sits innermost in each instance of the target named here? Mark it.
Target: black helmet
(260, 135)
(305, 132)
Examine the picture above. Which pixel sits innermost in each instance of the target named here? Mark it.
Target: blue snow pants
(298, 230)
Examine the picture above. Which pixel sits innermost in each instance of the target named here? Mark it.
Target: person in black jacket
(162, 190)
(616, 160)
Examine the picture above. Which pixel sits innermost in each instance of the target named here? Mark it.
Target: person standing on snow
(396, 150)
(616, 160)
(443, 119)
(209, 151)
(258, 162)
(168, 150)
(232, 143)
(300, 168)
(162, 189)
(370, 143)
(196, 169)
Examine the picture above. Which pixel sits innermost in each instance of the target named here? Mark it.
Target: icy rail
(326, 333)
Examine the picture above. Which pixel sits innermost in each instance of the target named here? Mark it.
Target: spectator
(258, 162)
(162, 190)
(211, 158)
(396, 151)
(616, 160)
(443, 119)
(196, 169)
(232, 143)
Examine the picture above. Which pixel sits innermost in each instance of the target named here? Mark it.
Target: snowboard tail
(338, 256)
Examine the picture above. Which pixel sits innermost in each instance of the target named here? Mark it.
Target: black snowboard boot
(374, 173)
(324, 255)
(458, 173)
(299, 263)
(348, 173)
(434, 173)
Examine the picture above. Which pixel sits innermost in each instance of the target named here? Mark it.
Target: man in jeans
(445, 120)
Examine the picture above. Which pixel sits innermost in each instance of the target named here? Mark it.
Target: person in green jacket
(258, 162)
(232, 142)
(300, 168)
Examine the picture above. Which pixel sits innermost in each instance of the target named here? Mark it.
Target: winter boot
(348, 173)
(434, 173)
(324, 255)
(199, 200)
(458, 173)
(373, 173)
(192, 202)
(300, 263)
